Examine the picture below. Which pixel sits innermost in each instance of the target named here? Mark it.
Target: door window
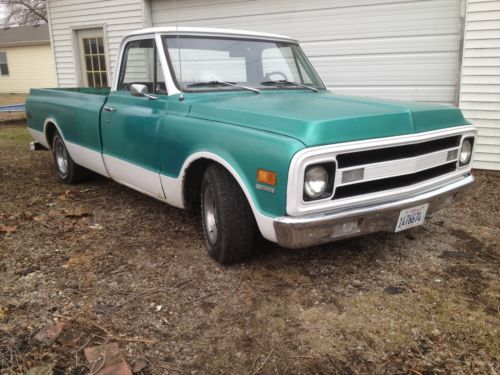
(141, 65)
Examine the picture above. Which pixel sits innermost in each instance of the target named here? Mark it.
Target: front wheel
(228, 222)
(67, 170)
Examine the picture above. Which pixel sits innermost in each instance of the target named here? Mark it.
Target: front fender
(241, 150)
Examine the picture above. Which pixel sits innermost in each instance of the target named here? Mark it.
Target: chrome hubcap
(210, 212)
(61, 158)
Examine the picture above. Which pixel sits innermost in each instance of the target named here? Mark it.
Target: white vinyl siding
(399, 49)
(115, 17)
(480, 88)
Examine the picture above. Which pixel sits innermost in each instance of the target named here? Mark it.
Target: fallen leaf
(68, 194)
(27, 215)
(41, 370)
(96, 227)
(67, 225)
(49, 334)
(3, 313)
(139, 365)
(106, 359)
(77, 212)
(8, 229)
(77, 261)
(392, 290)
(53, 213)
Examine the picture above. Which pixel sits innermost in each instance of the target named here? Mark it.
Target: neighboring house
(401, 49)
(26, 59)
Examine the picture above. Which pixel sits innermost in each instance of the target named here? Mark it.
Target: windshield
(214, 63)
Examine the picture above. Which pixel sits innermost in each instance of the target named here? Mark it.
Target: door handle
(109, 109)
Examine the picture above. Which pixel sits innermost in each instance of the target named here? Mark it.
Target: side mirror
(137, 89)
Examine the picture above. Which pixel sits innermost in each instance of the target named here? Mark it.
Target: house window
(4, 68)
(92, 53)
(94, 62)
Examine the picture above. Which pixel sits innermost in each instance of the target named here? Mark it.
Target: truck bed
(74, 111)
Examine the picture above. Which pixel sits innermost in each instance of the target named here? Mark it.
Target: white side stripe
(164, 188)
(87, 158)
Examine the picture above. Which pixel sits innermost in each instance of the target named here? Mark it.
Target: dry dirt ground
(117, 266)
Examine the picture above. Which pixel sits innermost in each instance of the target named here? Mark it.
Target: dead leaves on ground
(68, 194)
(77, 212)
(54, 212)
(8, 229)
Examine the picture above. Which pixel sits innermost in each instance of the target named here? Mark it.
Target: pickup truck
(240, 126)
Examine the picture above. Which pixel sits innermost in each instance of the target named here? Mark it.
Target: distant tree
(23, 12)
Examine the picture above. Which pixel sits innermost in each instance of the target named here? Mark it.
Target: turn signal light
(266, 177)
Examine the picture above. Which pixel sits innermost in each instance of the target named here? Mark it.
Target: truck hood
(322, 118)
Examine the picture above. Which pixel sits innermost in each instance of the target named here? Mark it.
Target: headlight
(315, 181)
(466, 151)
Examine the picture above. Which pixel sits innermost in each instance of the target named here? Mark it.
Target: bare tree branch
(24, 12)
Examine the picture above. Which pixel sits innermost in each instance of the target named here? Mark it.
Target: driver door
(130, 124)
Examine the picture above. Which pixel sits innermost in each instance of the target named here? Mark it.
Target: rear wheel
(228, 222)
(67, 170)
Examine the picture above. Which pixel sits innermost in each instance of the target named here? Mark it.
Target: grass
(14, 135)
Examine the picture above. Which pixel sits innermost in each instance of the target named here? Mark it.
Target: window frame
(156, 62)
(80, 32)
(309, 68)
(93, 72)
(6, 63)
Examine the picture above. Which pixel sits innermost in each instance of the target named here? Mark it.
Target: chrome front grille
(395, 167)
(380, 170)
(352, 159)
(393, 182)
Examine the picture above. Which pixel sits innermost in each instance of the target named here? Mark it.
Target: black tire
(67, 170)
(235, 226)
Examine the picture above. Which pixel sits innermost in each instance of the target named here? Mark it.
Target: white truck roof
(209, 31)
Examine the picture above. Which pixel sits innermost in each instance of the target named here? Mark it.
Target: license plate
(411, 217)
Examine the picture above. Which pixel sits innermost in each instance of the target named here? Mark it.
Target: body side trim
(135, 177)
(87, 158)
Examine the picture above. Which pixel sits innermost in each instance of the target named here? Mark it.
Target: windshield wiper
(218, 83)
(285, 82)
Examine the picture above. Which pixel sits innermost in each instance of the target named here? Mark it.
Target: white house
(443, 51)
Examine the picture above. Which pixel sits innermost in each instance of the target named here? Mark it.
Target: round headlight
(466, 152)
(315, 181)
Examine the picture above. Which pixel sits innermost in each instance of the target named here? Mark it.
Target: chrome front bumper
(304, 231)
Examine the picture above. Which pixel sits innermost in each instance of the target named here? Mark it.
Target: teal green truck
(239, 126)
